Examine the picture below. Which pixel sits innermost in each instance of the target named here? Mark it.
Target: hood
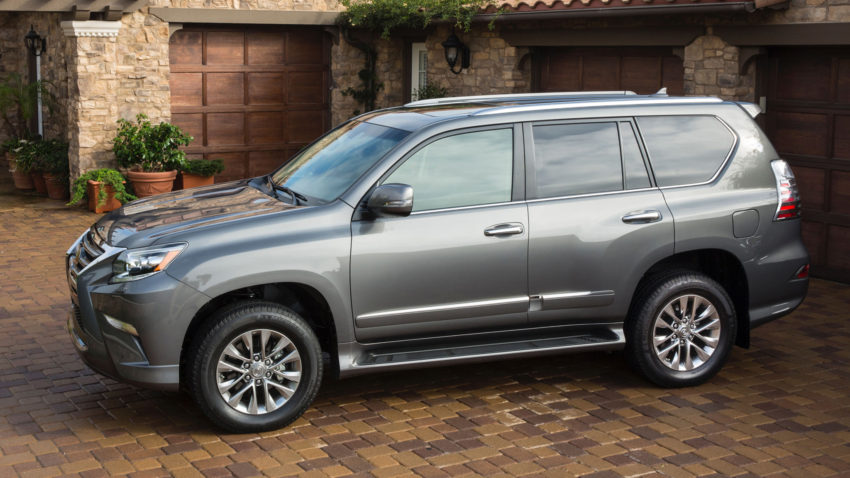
(146, 220)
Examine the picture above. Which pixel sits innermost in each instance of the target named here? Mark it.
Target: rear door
(596, 220)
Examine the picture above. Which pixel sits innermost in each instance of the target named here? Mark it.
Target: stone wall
(712, 69)
(494, 65)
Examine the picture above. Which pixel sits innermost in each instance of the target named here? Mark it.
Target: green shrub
(142, 146)
(430, 90)
(109, 177)
(203, 167)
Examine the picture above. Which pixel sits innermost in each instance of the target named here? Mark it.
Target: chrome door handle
(505, 229)
(642, 217)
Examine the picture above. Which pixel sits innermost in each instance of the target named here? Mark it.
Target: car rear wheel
(256, 366)
(682, 330)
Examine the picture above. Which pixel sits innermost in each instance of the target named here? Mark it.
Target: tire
(262, 387)
(666, 343)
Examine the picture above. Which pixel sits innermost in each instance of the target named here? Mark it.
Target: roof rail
(523, 97)
(646, 100)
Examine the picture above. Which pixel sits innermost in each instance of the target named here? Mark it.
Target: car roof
(418, 114)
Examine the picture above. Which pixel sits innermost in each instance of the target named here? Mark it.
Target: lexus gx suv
(449, 231)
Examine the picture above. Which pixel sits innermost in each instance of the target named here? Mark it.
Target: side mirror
(391, 200)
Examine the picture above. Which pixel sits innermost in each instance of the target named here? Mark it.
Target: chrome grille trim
(84, 253)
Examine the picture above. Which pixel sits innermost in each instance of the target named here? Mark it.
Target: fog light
(122, 326)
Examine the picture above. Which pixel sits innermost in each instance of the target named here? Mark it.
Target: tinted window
(633, 165)
(685, 149)
(329, 166)
(574, 159)
(462, 170)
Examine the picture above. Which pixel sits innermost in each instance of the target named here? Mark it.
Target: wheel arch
(721, 266)
(303, 299)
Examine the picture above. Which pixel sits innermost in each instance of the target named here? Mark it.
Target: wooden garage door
(643, 70)
(250, 96)
(808, 121)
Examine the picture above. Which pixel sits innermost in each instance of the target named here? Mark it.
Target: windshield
(330, 165)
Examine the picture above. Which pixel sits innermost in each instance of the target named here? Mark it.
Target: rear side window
(585, 158)
(685, 149)
(574, 159)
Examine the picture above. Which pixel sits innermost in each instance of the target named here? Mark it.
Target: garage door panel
(641, 73)
(837, 250)
(225, 89)
(643, 70)
(813, 239)
(264, 162)
(839, 197)
(303, 126)
(225, 48)
(191, 123)
(808, 92)
(304, 46)
(801, 133)
(843, 89)
(187, 48)
(225, 128)
(673, 75)
(235, 166)
(811, 182)
(305, 87)
(266, 48)
(186, 89)
(265, 127)
(230, 91)
(265, 88)
(812, 72)
(841, 141)
(601, 73)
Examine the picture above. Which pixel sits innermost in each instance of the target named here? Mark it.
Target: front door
(458, 262)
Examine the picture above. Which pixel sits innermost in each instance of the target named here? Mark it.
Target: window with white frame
(418, 68)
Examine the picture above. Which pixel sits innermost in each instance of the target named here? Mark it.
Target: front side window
(466, 169)
(576, 158)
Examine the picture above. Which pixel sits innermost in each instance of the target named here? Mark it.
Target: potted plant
(200, 172)
(104, 189)
(12, 149)
(151, 153)
(29, 162)
(55, 163)
(18, 104)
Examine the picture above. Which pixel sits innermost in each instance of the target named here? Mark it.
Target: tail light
(786, 186)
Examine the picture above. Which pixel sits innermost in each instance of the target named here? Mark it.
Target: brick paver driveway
(780, 408)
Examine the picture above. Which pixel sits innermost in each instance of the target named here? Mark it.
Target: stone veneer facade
(100, 79)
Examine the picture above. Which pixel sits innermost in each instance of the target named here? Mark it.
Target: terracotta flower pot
(56, 188)
(22, 180)
(148, 184)
(193, 180)
(92, 191)
(38, 181)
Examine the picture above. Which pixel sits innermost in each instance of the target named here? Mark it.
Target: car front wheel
(256, 366)
(682, 330)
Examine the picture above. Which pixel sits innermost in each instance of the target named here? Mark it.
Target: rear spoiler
(752, 109)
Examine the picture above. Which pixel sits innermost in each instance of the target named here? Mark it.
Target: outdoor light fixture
(35, 43)
(455, 50)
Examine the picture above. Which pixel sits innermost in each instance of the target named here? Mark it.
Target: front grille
(78, 317)
(87, 251)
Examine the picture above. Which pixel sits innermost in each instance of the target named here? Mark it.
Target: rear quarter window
(685, 149)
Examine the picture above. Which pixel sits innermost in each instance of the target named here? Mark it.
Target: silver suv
(450, 231)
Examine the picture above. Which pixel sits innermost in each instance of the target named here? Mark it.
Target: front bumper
(157, 309)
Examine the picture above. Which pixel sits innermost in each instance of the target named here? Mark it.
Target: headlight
(135, 264)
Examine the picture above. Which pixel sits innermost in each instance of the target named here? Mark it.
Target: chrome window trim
(462, 208)
(445, 307)
(606, 193)
(735, 142)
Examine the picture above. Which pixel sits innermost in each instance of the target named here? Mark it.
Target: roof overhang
(552, 9)
(81, 9)
(247, 17)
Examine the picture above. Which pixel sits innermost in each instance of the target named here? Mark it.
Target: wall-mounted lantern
(455, 50)
(35, 43)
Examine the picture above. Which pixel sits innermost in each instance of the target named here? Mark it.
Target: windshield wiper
(296, 196)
